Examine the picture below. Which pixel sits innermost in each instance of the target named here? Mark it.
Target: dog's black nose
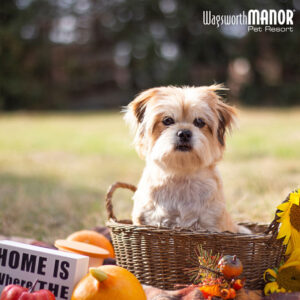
(184, 135)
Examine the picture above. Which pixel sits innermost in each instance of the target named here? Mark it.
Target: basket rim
(270, 232)
(111, 223)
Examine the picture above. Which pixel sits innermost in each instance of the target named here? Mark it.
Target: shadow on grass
(45, 208)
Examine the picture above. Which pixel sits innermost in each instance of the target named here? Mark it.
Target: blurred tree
(99, 53)
(24, 54)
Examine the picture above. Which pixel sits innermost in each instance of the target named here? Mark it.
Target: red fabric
(188, 293)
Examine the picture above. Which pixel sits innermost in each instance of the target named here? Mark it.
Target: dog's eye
(168, 121)
(198, 122)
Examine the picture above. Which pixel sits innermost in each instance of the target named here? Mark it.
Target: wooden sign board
(55, 270)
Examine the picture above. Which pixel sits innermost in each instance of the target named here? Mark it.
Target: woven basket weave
(160, 256)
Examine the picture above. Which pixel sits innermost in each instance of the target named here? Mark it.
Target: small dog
(181, 134)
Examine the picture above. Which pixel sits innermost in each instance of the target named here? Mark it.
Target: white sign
(55, 270)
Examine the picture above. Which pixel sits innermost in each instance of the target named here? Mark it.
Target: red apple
(17, 292)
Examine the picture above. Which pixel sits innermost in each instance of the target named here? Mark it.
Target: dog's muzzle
(184, 140)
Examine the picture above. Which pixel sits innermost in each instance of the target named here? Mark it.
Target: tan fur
(181, 189)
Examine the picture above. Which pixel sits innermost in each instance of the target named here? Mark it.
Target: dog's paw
(244, 230)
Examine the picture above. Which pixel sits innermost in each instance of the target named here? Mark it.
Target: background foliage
(75, 54)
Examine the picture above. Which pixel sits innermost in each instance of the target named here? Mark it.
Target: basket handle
(274, 225)
(108, 199)
(273, 229)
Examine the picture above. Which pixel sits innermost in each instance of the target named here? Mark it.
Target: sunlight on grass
(55, 169)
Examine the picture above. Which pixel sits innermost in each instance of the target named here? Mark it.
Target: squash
(96, 254)
(108, 282)
(94, 238)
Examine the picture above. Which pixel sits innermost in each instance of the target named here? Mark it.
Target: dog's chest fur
(182, 201)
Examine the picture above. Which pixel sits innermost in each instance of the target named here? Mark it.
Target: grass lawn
(55, 169)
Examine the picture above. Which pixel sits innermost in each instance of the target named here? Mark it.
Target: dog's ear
(227, 116)
(134, 116)
(135, 111)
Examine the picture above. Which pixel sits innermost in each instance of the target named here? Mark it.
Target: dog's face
(180, 129)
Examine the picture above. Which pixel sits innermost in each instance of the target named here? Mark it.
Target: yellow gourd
(108, 282)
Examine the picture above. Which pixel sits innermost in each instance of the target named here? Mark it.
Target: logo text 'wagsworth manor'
(270, 17)
(270, 20)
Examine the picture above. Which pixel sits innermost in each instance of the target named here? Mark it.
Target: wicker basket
(160, 256)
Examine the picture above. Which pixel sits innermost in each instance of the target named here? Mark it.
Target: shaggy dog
(180, 132)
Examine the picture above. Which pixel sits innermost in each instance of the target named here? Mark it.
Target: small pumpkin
(108, 282)
(230, 266)
(228, 293)
(94, 238)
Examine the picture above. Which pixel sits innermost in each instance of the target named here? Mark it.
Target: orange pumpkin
(228, 294)
(94, 238)
(230, 266)
(107, 283)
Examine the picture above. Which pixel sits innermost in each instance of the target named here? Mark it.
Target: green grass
(55, 169)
